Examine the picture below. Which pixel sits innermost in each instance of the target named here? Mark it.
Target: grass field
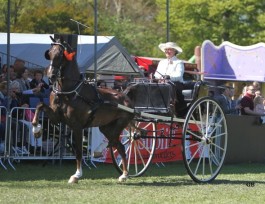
(33, 183)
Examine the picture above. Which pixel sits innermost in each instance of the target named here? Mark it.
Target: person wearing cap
(225, 100)
(171, 69)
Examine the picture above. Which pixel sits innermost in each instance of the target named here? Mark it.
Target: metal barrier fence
(56, 142)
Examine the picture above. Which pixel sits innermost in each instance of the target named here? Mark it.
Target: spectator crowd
(250, 102)
(23, 85)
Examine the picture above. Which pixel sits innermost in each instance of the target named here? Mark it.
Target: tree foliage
(140, 25)
(191, 22)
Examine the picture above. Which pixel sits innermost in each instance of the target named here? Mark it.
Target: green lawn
(33, 183)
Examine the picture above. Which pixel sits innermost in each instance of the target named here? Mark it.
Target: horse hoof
(123, 178)
(73, 179)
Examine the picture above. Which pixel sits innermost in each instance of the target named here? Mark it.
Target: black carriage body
(153, 97)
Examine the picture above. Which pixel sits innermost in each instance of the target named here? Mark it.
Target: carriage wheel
(139, 147)
(204, 140)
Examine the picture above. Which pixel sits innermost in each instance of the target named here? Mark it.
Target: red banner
(166, 150)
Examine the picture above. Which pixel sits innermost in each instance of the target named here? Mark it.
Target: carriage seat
(190, 90)
(190, 81)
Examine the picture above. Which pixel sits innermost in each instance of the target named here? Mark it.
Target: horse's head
(58, 55)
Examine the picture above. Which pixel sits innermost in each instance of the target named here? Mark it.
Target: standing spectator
(12, 73)
(24, 82)
(4, 69)
(18, 134)
(22, 79)
(225, 100)
(258, 104)
(3, 73)
(3, 102)
(18, 100)
(257, 87)
(247, 103)
(244, 90)
(259, 107)
(19, 65)
(2, 77)
(45, 77)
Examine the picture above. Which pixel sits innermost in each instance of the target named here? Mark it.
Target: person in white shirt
(171, 70)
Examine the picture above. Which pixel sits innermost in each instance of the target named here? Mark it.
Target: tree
(135, 26)
(193, 21)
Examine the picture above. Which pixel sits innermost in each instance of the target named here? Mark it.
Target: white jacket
(173, 67)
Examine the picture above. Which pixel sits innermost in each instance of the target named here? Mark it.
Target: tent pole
(7, 135)
(95, 40)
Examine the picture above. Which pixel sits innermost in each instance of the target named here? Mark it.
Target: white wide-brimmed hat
(172, 45)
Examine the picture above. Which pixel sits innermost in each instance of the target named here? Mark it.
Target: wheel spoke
(204, 156)
(139, 148)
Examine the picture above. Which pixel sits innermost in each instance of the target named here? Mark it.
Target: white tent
(112, 58)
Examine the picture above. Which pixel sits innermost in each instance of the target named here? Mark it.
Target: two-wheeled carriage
(132, 120)
(203, 131)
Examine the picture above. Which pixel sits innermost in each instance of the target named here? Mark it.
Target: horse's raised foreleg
(35, 121)
(79, 153)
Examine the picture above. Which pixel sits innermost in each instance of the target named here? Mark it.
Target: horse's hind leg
(113, 136)
(121, 149)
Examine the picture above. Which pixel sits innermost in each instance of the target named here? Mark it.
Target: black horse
(79, 103)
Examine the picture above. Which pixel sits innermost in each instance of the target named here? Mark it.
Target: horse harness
(77, 88)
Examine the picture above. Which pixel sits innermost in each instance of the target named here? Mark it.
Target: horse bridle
(59, 77)
(79, 83)
(58, 74)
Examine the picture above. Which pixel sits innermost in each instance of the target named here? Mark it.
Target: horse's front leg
(121, 149)
(35, 121)
(79, 153)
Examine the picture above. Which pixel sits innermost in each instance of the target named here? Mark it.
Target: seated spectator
(39, 84)
(247, 103)
(225, 100)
